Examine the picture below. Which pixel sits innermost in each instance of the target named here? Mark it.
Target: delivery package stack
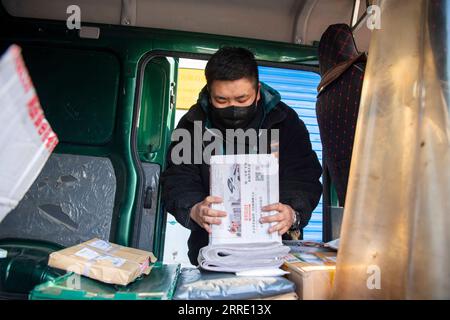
(312, 267)
(26, 137)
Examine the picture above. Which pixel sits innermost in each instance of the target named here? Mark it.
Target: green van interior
(109, 91)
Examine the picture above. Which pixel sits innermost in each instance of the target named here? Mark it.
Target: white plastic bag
(26, 138)
(394, 238)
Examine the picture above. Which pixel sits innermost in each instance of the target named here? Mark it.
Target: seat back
(342, 71)
(71, 201)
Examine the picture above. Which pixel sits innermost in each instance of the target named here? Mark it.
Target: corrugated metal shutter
(298, 90)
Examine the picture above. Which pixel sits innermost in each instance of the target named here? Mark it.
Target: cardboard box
(313, 274)
(104, 261)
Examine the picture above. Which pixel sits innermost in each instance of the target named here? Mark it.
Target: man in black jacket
(235, 99)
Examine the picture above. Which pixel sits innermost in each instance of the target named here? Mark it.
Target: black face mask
(233, 117)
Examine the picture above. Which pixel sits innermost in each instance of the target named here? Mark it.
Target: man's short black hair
(232, 63)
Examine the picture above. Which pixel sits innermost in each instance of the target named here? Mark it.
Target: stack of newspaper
(241, 243)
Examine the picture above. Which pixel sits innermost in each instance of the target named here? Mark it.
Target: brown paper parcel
(104, 261)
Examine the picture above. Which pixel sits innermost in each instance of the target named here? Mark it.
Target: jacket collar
(270, 98)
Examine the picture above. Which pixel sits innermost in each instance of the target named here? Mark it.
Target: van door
(156, 116)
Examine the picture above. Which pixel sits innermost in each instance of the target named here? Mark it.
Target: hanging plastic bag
(26, 138)
(395, 233)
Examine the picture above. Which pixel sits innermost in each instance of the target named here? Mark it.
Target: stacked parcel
(104, 261)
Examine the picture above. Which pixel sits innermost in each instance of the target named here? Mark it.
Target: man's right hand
(204, 216)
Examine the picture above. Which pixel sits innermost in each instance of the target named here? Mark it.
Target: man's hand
(284, 217)
(204, 215)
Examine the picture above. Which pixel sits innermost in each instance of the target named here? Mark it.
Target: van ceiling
(293, 21)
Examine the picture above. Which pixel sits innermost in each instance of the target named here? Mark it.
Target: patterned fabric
(336, 45)
(338, 104)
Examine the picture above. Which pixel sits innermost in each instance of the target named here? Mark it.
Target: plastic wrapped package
(394, 239)
(194, 284)
(70, 202)
(26, 138)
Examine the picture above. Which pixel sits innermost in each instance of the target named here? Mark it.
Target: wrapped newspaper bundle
(104, 261)
(246, 183)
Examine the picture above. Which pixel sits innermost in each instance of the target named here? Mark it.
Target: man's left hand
(284, 217)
